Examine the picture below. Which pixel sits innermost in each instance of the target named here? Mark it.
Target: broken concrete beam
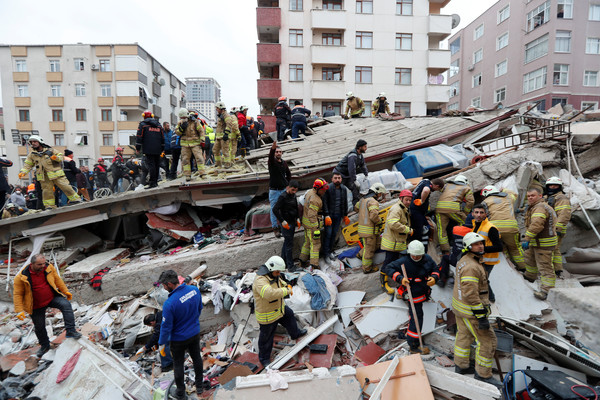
(460, 384)
(88, 267)
(82, 239)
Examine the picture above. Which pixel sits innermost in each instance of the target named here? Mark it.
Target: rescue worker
(299, 114)
(539, 242)
(101, 174)
(370, 225)
(12, 210)
(335, 207)
(501, 213)
(419, 208)
(191, 132)
(381, 105)
(117, 168)
(260, 130)
(313, 205)
(235, 138)
(458, 234)
(492, 245)
(396, 233)
(150, 140)
(48, 172)
(286, 211)
(269, 307)
(135, 170)
(421, 274)
(282, 113)
(471, 307)
(354, 105)
(226, 125)
(210, 144)
(455, 202)
(350, 165)
(246, 141)
(175, 155)
(562, 207)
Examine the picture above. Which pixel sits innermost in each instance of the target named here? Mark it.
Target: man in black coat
(154, 320)
(4, 188)
(282, 113)
(286, 212)
(150, 141)
(335, 207)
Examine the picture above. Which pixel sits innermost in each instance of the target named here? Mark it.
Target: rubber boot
(491, 380)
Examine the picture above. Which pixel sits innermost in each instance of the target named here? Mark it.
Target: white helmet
(275, 263)
(234, 109)
(10, 205)
(555, 180)
(242, 108)
(378, 188)
(183, 113)
(460, 178)
(220, 105)
(349, 94)
(489, 189)
(36, 138)
(416, 248)
(471, 238)
(382, 94)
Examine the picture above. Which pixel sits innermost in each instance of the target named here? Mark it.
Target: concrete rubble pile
(359, 330)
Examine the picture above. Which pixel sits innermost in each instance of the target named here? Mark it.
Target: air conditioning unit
(94, 67)
(471, 67)
(151, 101)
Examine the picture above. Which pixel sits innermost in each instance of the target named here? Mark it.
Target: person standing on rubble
(283, 114)
(370, 225)
(269, 307)
(422, 273)
(299, 115)
(192, 142)
(354, 106)
(501, 213)
(279, 177)
(381, 105)
(226, 126)
(154, 321)
(180, 329)
(37, 287)
(117, 169)
(458, 234)
(101, 174)
(539, 242)
(562, 207)
(151, 141)
(350, 165)
(419, 208)
(455, 202)
(335, 207)
(313, 206)
(493, 244)
(286, 212)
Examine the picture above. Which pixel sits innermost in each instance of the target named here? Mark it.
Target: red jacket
(241, 119)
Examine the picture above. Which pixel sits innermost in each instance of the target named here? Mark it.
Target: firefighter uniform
(455, 202)
(234, 140)
(313, 204)
(469, 303)
(355, 106)
(540, 221)
(192, 139)
(376, 104)
(49, 173)
(562, 207)
(369, 229)
(501, 213)
(225, 125)
(395, 235)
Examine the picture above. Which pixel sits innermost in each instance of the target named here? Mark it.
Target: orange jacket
(23, 296)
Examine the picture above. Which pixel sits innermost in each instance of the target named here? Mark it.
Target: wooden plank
(385, 378)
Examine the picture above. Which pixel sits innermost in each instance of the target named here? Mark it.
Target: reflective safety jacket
(229, 125)
(376, 112)
(44, 165)
(562, 207)
(355, 105)
(456, 197)
(501, 212)
(268, 292)
(470, 298)
(368, 217)
(193, 134)
(397, 227)
(417, 274)
(210, 132)
(540, 221)
(483, 230)
(313, 204)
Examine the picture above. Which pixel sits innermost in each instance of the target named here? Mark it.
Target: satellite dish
(455, 20)
(161, 82)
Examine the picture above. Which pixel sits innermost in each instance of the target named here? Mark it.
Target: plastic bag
(276, 380)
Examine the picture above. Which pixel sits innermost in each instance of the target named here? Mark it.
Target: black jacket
(351, 164)
(71, 171)
(279, 172)
(329, 201)
(4, 162)
(155, 331)
(286, 208)
(150, 137)
(417, 271)
(299, 114)
(282, 111)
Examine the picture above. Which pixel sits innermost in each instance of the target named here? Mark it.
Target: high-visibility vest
(484, 229)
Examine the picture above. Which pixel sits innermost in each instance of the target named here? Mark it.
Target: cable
(584, 386)
(505, 384)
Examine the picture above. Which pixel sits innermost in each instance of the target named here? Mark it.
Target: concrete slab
(462, 385)
(347, 299)
(82, 239)
(86, 268)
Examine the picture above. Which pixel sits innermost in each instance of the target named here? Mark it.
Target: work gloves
(22, 175)
(430, 281)
(298, 223)
(21, 315)
(53, 157)
(225, 136)
(418, 202)
(346, 220)
(285, 225)
(49, 153)
(290, 291)
(525, 245)
(183, 126)
(402, 281)
(130, 172)
(162, 155)
(483, 323)
(328, 221)
(410, 233)
(141, 350)
(162, 350)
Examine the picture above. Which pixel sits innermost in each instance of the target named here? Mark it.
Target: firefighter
(501, 213)
(192, 142)
(458, 234)
(562, 207)
(101, 174)
(370, 225)
(354, 105)
(455, 202)
(313, 205)
(283, 114)
(492, 245)
(48, 171)
(150, 140)
(226, 125)
(419, 208)
(539, 242)
(421, 273)
(381, 105)
(471, 307)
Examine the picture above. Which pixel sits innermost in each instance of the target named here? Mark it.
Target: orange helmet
(320, 183)
(406, 193)
(282, 98)
(147, 114)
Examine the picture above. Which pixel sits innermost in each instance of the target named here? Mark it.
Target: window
(453, 106)
(536, 49)
(59, 139)
(586, 104)
(504, 14)
(478, 32)
(403, 41)
(105, 90)
(364, 40)
(368, 107)
(455, 89)
(476, 102)
(332, 74)
(402, 108)
(84, 162)
(538, 16)
(455, 46)
(534, 80)
(78, 64)
(106, 115)
(561, 74)
(477, 56)
(594, 12)
(105, 65)
(79, 89)
(107, 139)
(364, 75)
(332, 39)
(501, 68)
(559, 100)
(592, 46)
(454, 67)
(336, 107)
(296, 37)
(296, 72)
(55, 91)
(404, 7)
(364, 6)
(590, 78)
(477, 80)
(332, 4)
(24, 115)
(499, 95)
(565, 9)
(502, 41)
(403, 76)
(21, 66)
(82, 138)
(23, 90)
(81, 114)
(296, 5)
(57, 115)
(54, 66)
(563, 42)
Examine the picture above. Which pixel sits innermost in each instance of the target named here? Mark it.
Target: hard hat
(147, 114)
(349, 94)
(416, 248)
(382, 94)
(460, 178)
(119, 149)
(555, 180)
(183, 112)
(320, 183)
(489, 189)
(471, 238)
(248, 117)
(258, 117)
(234, 109)
(242, 108)
(282, 98)
(275, 263)
(378, 188)
(101, 159)
(406, 193)
(220, 105)
(10, 205)
(36, 138)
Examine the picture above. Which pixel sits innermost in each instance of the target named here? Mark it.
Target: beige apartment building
(525, 51)
(85, 97)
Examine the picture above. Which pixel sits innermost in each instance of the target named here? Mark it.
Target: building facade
(202, 95)
(84, 97)
(316, 51)
(522, 51)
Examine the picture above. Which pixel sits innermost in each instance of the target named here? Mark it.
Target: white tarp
(579, 192)
(392, 180)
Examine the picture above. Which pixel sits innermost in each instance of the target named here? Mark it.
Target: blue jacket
(181, 315)
(175, 142)
(168, 135)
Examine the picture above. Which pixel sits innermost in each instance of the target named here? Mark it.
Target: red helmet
(101, 159)
(119, 149)
(147, 114)
(320, 183)
(406, 193)
(282, 98)
(258, 117)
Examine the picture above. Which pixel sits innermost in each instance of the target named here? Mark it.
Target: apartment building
(2, 135)
(85, 97)
(317, 50)
(535, 50)
(202, 95)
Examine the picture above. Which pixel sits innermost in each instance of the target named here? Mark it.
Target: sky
(190, 38)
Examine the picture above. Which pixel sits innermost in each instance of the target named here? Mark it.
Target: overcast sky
(190, 38)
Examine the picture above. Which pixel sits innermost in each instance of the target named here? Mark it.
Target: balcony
(21, 76)
(269, 88)
(57, 126)
(104, 76)
(328, 19)
(157, 111)
(24, 125)
(56, 101)
(22, 101)
(135, 101)
(106, 125)
(268, 54)
(126, 75)
(437, 94)
(440, 25)
(105, 101)
(173, 100)
(54, 76)
(327, 54)
(127, 125)
(268, 18)
(439, 60)
(107, 151)
(328, 89)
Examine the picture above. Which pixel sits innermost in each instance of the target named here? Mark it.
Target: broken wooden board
(369, 354)
(461, 385)
(233, 371)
